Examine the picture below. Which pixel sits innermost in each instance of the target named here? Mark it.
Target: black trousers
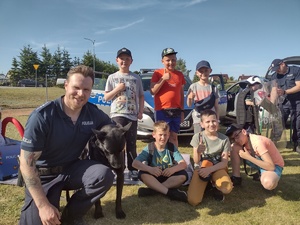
(292, 108)
(91, 179)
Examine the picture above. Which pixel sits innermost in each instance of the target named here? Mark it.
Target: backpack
(151, 148)
(206, 103)
(247, 114)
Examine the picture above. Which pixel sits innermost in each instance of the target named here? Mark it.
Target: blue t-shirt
(288, 80)
(160, 159)
(51, 131)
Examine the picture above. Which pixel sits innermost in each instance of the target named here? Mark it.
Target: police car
(145, 125)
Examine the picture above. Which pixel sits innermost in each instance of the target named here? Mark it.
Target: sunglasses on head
(235, 136)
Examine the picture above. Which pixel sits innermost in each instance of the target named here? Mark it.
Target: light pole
(93, 42)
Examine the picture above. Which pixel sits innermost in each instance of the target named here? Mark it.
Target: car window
(234, 89)
(99, 84)
(100, 81)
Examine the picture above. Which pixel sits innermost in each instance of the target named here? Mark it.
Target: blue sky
(235, 36)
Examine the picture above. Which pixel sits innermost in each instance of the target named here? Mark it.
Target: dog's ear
(126, 128)
(118, 125)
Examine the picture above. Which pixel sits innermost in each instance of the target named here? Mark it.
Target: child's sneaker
(237, 181)
(144, 192)
(134, 175)
(218, 195)
(178, 195)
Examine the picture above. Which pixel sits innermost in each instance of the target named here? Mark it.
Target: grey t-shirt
(213, 147)
(125, 103)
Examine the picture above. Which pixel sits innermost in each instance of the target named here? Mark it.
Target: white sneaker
(134, 175)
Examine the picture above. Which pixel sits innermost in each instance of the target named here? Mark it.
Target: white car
(145, 125)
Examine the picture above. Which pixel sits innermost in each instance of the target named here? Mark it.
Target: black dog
(106, 146)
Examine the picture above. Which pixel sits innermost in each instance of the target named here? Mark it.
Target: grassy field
(248, 204)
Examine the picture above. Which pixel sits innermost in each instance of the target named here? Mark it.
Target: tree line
(52, 66)
(57, 65)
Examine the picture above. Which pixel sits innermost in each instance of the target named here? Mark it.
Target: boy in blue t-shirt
(166, 170)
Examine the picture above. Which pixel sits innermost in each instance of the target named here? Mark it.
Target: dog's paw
(98, 215)
(120, 215)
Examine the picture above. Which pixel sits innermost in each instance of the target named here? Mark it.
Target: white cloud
(127, 25)
(193, 2)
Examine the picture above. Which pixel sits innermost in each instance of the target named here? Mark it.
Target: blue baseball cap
(232, 128)
(125, 51)
(203, 63)
(275, 64)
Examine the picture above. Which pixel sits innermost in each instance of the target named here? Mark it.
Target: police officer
(288, 86)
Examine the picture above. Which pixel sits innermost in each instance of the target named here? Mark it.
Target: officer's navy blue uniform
(51, 131)
(291, 104)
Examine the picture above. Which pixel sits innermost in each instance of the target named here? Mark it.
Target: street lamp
(93, 42)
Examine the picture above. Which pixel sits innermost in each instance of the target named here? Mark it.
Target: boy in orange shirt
(167, 86)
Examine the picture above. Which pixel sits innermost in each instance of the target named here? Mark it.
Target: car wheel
(23, 85)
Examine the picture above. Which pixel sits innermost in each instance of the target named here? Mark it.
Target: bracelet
(284, 92)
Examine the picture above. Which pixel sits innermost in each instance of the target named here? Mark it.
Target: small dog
(106, 146)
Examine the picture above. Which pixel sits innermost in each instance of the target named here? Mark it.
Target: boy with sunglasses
(259, 152)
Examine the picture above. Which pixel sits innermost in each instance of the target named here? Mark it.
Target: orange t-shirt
(262, 144)
(169, 95)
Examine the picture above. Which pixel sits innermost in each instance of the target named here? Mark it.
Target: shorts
(174, 123)
(162, 179)
(278, 169)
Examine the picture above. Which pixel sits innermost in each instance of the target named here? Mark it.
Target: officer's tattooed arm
(31, 176)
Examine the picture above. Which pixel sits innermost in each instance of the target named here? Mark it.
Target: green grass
(16, 98)
(248, 204)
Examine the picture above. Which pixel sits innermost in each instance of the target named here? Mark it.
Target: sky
(235, 36)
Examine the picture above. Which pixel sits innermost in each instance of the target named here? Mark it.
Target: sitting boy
(162, 169)
(259, 152)
(210, 154)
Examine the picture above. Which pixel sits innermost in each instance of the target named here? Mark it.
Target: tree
(14, 73)
(27, 59)
(196, 78)
(180, 65)
(45, 68)
(88, 60)
(66, 62)
(57, 64)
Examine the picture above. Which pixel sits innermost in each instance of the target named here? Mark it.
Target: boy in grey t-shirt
(210, 154)
(125, 90)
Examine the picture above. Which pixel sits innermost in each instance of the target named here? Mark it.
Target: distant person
(162, 170)
(204, 92)
(247, 109)
(125, 90)
(167, 86)
(259, 152)
(210, 153)
(287, 80)
(55, 135)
